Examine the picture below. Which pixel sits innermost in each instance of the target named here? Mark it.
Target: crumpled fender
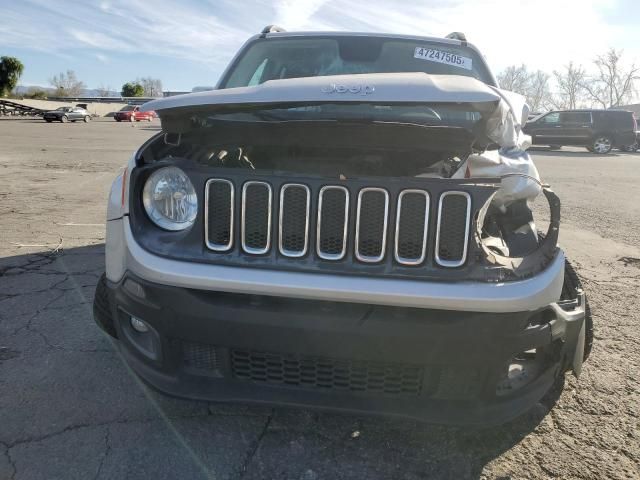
(511, 162)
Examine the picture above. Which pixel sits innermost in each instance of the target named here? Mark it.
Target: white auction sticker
(443, 57)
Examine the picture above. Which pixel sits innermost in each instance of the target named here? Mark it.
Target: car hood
(359, 88)
(504, 112)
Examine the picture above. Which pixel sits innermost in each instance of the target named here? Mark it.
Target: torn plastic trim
(532, 263)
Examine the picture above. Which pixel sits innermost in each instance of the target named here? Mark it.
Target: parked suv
(343, 223)
(598, 130)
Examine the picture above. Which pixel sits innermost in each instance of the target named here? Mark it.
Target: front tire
(64, 119)
(87, 118)
(602, 144)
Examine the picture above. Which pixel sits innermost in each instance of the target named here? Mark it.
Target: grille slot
(200, 356)
(256, 217)
(333, 218)
(327, 373)
(452, 233)
(219, 198)
(412, 225)
(293, 230)
(371, 224)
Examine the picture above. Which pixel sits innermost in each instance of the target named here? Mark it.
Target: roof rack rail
(458, 36)
(271, 29)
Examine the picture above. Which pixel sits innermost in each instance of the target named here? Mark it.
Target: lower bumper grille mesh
(327, 373)
(200, 356)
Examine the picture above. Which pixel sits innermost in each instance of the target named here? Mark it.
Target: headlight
(170, 199)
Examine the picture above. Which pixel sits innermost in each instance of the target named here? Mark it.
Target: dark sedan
(67, 114)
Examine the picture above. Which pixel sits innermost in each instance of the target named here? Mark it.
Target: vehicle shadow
(81, 358)
(23, 119)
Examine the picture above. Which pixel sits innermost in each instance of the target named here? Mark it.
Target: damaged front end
(359, 243)
(394, 132)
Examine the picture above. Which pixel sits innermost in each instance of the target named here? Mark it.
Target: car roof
(449, 41)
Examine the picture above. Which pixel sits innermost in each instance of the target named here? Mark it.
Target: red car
(132, 113)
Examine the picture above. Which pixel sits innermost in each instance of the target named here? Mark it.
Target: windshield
(128, 108)
(295, 57)
(63, 109)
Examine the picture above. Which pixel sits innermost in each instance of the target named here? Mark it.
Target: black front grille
(220, 215)
(413, 211)
(332, 218)
(200, 356)
(294, 220)
(453, 222)
(256, 217)
(363, 225)
(327, 373)
(371, 224)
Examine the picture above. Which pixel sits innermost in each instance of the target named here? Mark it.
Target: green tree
(131, 89)
(10, 70)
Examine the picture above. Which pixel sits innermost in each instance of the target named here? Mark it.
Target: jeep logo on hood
(355, 89)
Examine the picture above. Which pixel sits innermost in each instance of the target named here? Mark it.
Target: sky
(188, 43)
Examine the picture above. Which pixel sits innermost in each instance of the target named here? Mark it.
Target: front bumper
(124, 253)
(434, 365)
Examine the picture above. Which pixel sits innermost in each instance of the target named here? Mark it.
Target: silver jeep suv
(343, 223)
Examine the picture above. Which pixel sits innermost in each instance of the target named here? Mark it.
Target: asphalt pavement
(71, 409)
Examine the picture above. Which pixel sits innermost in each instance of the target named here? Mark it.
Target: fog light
(519, 372)
(138, 325)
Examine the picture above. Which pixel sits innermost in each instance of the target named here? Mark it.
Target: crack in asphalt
(252, 452)
(6, 449)
(107, 450)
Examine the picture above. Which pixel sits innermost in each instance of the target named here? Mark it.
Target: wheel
(555, 147)
(602, 144)
(118, 120)
(64, 119)
(87, 118)
(572, 285)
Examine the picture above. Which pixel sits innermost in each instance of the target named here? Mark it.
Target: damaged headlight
(170, 199)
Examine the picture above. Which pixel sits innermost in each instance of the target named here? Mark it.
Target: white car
(343, 223)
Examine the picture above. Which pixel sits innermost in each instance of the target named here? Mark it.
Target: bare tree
(538, 93)
(514, 78)
(67, 85)
(533, 85)
(104, 91)
(570, 83)
(613, 85)
(152, 86)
